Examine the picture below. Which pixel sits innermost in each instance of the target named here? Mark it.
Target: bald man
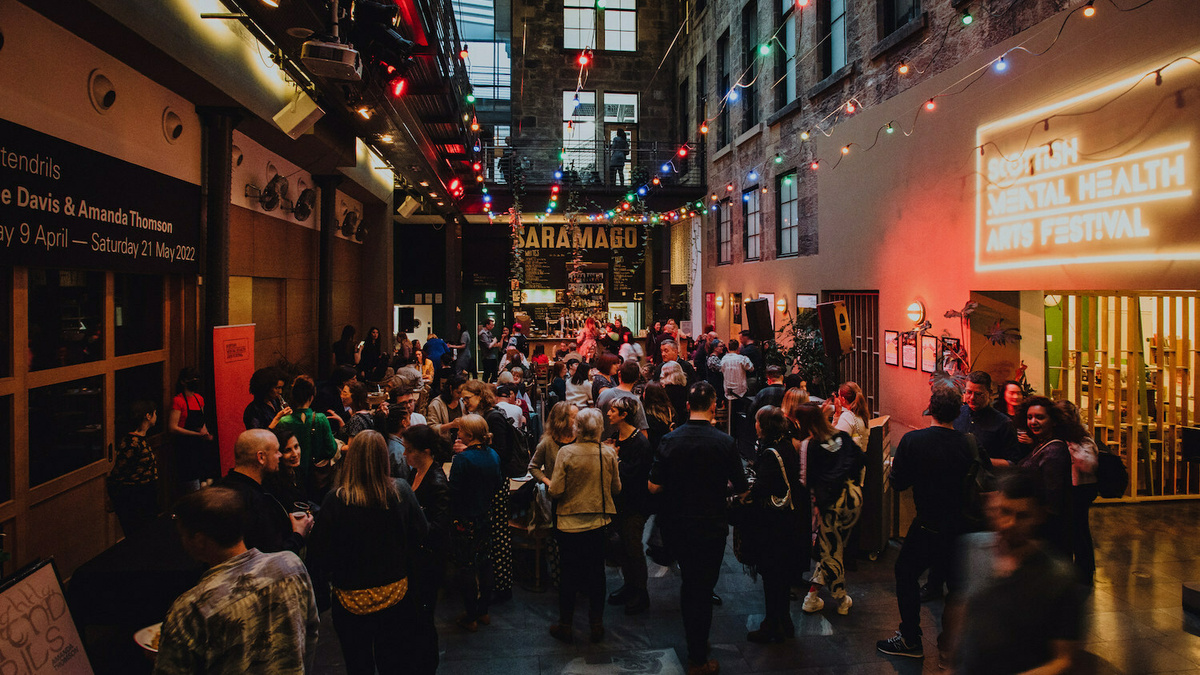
(269, 527)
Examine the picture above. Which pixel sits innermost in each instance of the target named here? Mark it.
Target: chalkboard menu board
(63, 205)
(547, 257)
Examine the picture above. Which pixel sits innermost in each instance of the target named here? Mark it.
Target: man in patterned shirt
(252, 612)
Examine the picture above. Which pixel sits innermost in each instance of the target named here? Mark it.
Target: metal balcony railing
(595, 164)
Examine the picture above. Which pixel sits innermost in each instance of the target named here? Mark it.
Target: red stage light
(398, 87)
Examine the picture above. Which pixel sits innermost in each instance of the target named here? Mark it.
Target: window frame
(585, 9)
(786, 61)
(724, 135)
(724, 233)
(782, 208)
(891, 21)
(834, 24)
(618, 13)
(751, 215)
(748, 96)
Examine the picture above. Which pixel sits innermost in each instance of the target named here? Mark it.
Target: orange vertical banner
(233, 364)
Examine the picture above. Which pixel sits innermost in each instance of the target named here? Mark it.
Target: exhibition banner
(63, 205)
(233, 364)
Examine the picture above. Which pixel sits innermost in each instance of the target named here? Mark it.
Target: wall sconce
(781, 305)
(915, 312)
(720, 300)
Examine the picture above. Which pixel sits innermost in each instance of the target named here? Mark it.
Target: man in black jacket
(934, 462)
(269, 527)
(693, 469)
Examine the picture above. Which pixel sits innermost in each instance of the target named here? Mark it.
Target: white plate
(145, 637)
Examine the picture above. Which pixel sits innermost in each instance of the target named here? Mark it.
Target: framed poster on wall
(891, 347)
(908, 349)
(929, 353)
(735, 313)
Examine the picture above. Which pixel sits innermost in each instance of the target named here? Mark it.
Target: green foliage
(799, 346)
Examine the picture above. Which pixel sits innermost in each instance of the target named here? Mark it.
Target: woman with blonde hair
(585, 479)
(363, 544)
(792, 399)
(480, 399)
(474, 478)
(833, 463)
(560, 431)
(675, 382)
(853, 414)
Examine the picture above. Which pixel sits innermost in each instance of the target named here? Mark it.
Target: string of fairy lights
(631, 207)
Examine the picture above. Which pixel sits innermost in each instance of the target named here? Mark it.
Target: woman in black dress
(781, 521)
(421, 444)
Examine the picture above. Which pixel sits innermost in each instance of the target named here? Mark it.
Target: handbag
(783, 503)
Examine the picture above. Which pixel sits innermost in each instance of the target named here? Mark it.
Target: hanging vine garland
(517, 260)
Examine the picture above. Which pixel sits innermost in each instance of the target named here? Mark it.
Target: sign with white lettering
(547, 255)
(63, 205)
(1067, 184)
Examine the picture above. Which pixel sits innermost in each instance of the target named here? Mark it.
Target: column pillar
(216, 128)
(328, 187)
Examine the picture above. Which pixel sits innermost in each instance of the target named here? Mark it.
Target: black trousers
(1082, 549)
(923, 549)
(473, 565)
(630, 528)
(581, 556)
(490, 370)
(377, 641)
(777, 598)
(136, 505)
(699, 551)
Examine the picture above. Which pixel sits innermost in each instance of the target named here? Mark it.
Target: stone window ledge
(784, 112)
(749, 135)
(722, 153)
(837, 76)
(916, 25)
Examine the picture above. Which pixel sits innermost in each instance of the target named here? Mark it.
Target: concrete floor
(1135, 620)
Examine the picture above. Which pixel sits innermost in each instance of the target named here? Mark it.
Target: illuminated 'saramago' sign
(1089, 188)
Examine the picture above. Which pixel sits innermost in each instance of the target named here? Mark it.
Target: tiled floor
(1135, 620)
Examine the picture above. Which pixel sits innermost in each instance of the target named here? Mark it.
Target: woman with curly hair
(1050, 460)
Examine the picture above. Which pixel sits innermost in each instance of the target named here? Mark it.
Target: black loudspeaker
(758, 319)
(1191, 444)
(407, 320)
(835, 329)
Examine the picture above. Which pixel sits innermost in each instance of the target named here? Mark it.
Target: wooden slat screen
(1129, 361)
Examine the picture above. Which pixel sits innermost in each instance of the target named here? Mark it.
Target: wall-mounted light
(720, 301)
(781, 304)
(915, 312)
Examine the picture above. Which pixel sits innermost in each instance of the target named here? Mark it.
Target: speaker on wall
(408, 207)
(758, 319)
(835, 329)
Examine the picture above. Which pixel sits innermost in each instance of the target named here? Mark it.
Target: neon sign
(1092, 191)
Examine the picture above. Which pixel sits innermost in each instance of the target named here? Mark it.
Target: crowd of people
(394, 484)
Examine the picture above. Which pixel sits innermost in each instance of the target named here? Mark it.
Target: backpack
(977, 482)
(1112, 478)
(515, 462)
